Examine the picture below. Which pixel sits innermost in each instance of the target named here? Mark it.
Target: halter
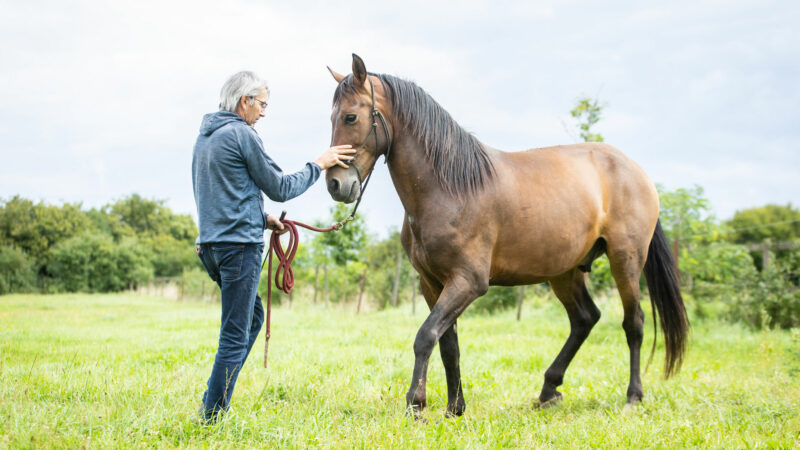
(375, 114)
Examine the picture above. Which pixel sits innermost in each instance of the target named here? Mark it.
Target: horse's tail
(665, 296)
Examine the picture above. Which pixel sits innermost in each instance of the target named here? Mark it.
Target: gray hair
(241, 84)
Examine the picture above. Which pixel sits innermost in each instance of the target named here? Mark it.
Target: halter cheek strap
(373, 129)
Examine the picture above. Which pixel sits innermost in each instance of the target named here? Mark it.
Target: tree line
(133, 241)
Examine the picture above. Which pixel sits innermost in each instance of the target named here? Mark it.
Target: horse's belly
(535, 258)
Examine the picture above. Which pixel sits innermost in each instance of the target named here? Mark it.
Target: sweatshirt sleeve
(278, 186)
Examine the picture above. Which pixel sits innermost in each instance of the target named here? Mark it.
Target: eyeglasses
(263, 103)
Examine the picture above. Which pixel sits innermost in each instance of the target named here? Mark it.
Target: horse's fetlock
(553, 378)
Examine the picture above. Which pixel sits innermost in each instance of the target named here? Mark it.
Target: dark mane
(458, 158)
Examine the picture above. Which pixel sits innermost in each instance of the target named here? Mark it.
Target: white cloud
(107, 102)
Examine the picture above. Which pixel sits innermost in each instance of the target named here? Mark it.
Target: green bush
(17, 272)
(497, 298)
(278, 296)
(713, 274)
(169, 256)
(94, 263)
(770, 298)
(197, 284)
(600, 279)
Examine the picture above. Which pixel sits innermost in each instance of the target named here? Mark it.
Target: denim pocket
(229, 259)
(208, 265)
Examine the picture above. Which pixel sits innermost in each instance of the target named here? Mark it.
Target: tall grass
(126, 370)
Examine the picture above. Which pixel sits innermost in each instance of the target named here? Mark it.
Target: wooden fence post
(361, 290)
(396, 287)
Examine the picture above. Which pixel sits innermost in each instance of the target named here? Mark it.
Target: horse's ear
(336, 75)
(359, 70)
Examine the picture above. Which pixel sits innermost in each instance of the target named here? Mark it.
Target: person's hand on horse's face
(338, 155)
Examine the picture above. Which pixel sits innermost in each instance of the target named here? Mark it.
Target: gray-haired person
(229, 171)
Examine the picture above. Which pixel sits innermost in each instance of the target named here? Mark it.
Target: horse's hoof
(455, 410)
(630, 408)
(416, 412)
(453, 413)
(552, 401)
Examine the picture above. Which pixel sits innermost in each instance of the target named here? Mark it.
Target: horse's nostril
(333, 185)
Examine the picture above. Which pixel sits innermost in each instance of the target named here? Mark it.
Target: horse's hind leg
(448, 347)
(626, 268)
(570, 288)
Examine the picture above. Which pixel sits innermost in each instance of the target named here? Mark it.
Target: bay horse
(476, 216)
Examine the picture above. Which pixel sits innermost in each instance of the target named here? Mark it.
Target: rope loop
(284, 276)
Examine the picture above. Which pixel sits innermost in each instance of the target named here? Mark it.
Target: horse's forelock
(347, 88)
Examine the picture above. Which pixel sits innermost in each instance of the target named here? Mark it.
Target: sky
(100, 100)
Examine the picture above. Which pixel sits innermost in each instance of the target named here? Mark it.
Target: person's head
(245, 94)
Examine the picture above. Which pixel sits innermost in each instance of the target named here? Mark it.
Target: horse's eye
(350, 119)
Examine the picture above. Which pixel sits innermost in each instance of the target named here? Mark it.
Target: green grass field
(126, 370)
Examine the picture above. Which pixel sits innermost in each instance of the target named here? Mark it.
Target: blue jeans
(236, 268)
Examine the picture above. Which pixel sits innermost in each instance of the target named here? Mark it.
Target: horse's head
(357, 119)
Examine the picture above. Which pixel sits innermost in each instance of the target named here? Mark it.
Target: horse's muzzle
(344, 189)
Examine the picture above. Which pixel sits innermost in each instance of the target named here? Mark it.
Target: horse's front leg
(456, 295)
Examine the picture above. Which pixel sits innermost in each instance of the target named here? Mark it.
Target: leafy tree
(588, 112)
(134, 263)
(137, 216)
(775, 222)
(169, 256)
(17, 273)
(382, 259)
(94, 263)
(771, 297)
(686, 215)
(344, 245)
(36, 228)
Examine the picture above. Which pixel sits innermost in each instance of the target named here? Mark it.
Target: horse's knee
(424, 342)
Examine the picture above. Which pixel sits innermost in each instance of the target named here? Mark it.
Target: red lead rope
(284, 276)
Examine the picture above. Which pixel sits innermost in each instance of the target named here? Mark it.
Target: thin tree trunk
(325, 275)
(396, 286)
(361, 290)
(519, 301)
(414, 297)
(316, 281)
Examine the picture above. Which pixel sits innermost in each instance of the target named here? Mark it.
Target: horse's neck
(413, 176)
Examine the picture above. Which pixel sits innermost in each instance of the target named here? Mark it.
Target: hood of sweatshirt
(216, 120)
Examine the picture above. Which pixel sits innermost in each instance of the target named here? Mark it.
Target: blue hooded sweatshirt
(229, 172)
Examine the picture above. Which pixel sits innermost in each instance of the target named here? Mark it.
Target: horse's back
(556, 202)
(588, 172)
